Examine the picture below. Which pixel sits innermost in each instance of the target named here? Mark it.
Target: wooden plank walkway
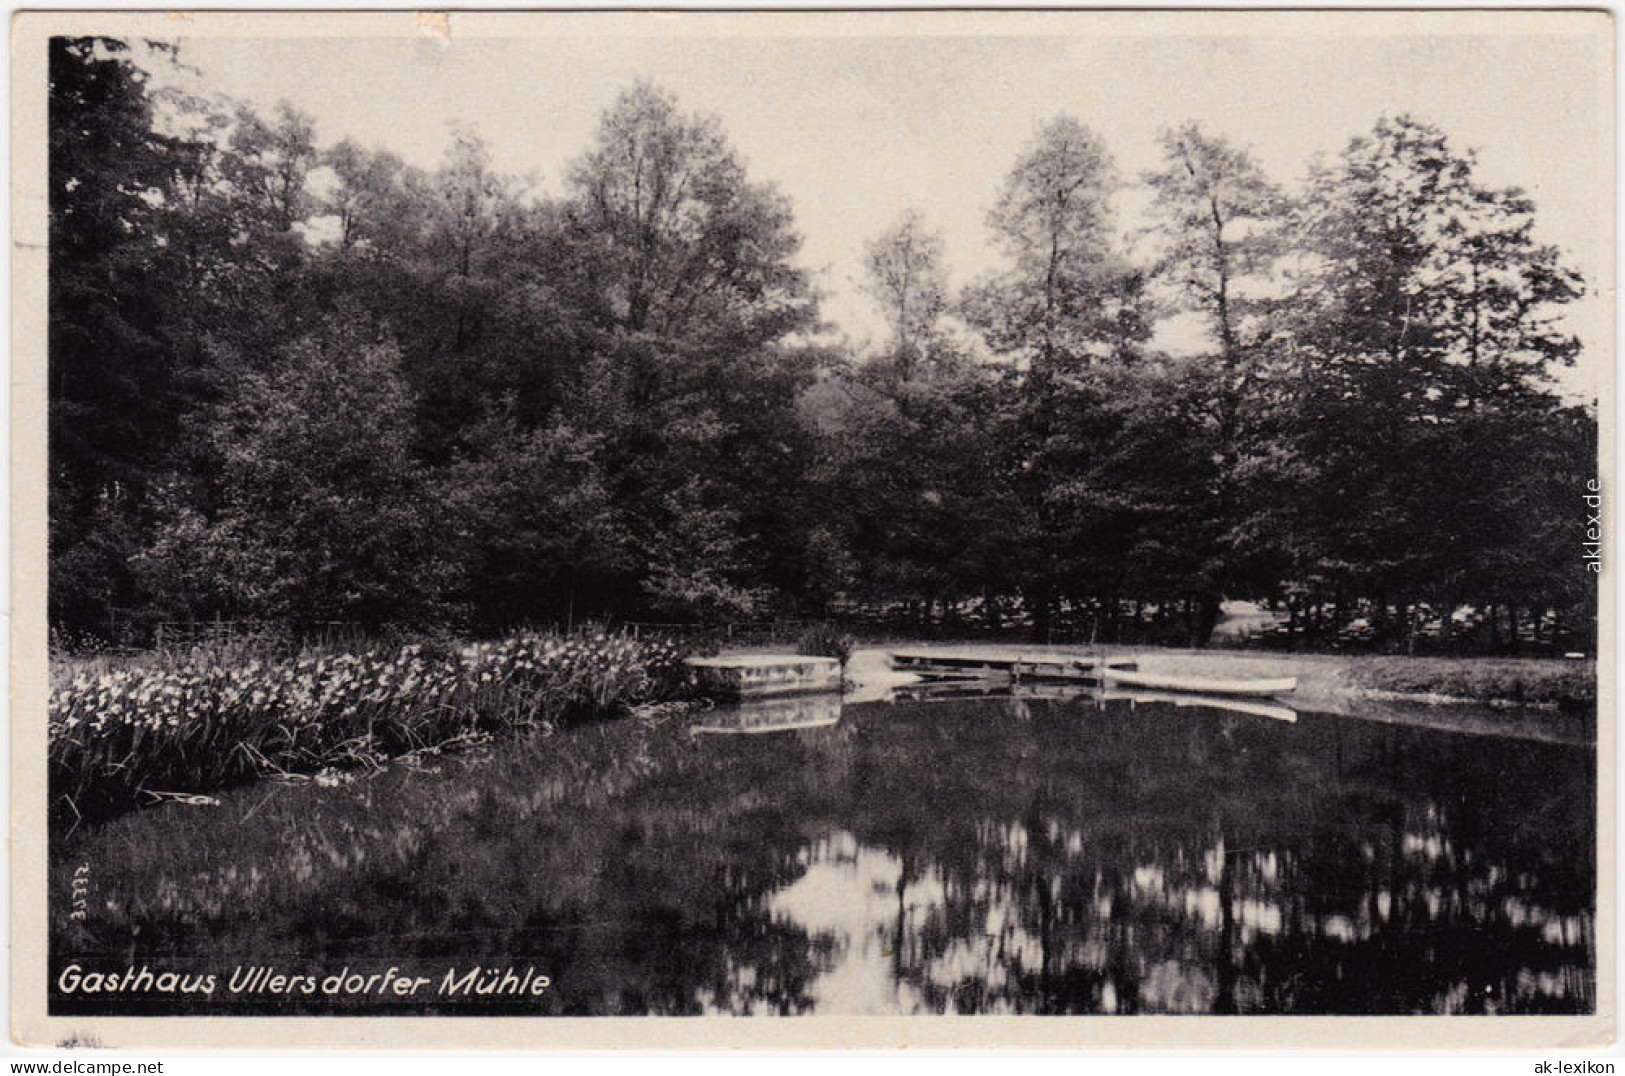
(1008, 665)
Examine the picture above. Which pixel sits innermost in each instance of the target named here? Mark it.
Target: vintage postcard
(794, 529)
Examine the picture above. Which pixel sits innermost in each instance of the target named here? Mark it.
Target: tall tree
(115, 391)
(1067, 307)
(1429, 320)
(270, 165)
(366, 198)
(452, 262)
(458, 287)
(1428, 277)
(1069, 297)
(267, 165)
(238, 228)
(913, 484)
(682, 239)
(684, 267)
(1222, 226)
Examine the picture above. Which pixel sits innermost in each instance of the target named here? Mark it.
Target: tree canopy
(309, 382)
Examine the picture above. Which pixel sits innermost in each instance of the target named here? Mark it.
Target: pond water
(950, 855)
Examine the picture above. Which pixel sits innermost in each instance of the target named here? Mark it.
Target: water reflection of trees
(654, 898)
(623, 861)
(1155, 862)
(943, 857)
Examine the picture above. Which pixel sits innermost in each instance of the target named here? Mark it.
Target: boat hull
(1233, 704)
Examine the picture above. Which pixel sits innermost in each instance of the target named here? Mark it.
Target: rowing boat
(1198, 685)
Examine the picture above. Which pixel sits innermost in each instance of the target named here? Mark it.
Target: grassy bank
(1513, 681)
(1509, 682)
(1546, 700)
(124, 736)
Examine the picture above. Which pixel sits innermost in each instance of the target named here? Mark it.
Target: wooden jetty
(1006, 665)
(744, 676)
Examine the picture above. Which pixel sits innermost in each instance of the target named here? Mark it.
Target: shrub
(826, 640)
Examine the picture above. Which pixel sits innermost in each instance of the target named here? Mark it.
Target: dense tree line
(316, 384)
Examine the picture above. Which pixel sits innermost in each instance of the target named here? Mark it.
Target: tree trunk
(1042, 600)
(1206, 619)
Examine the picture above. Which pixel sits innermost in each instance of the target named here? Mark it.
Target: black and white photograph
(1011, 524)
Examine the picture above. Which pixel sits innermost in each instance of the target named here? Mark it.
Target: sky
(858, 118)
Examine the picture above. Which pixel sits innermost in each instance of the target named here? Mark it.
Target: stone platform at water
(744, 676)
(772, 713)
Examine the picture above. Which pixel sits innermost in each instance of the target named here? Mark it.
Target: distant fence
(170, 634)
(135, 635)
